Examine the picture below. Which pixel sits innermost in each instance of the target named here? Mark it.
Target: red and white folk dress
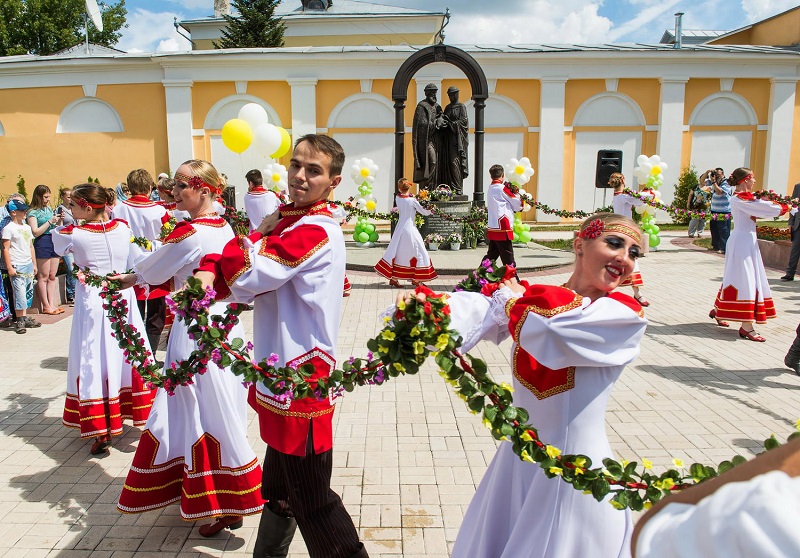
(745, 295)
(194, 449)
(406, 256)
(568, 351)
(102, 389)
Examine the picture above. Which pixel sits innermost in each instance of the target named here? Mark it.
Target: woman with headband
(571, 343)
(745, 295)
(102, 389)
(194, 449)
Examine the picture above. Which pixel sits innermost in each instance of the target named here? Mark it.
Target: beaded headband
(195, 182)
(86, 203)
(598, 227)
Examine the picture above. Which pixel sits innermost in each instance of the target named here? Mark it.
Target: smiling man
(293, 267)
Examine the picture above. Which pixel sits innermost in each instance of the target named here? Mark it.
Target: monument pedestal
(443, 226)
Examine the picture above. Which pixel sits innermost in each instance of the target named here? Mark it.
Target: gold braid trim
(292, 263)
(630, 232)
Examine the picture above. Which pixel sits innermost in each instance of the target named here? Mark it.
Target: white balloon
(641, 159)
(663, 166)
(266, 139)
(655, 160)
(255, 115)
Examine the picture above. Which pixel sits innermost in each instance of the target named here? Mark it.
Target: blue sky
(499, 22)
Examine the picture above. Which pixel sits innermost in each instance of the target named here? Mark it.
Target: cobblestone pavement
(408, 454)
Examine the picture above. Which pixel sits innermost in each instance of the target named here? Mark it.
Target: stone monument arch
(480, 92)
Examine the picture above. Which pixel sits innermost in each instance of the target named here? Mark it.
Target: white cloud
(148, 31)
(760, 9)
(533, 22)
(172, 45)
(648, 21)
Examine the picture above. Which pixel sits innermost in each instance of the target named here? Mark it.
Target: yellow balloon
(371, 205)
(286, 144)
(237, 135)
(656, 170)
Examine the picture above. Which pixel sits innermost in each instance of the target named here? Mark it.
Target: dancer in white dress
(194, 449)
(745, 295)
(571, 344)
(406, 257)
(102, 389)
(623, 204)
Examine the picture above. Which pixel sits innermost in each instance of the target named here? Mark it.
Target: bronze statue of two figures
(440, 140)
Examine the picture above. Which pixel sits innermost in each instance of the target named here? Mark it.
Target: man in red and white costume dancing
(258, 201)
(146, 218)
(293, 266)
(501, 204)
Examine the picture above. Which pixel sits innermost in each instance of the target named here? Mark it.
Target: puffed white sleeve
(419, 209)
(761, 209)
(181, 248)
(62, 239)
(602, 333)
(472, 315)
(758, 517)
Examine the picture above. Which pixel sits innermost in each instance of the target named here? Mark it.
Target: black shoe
(787, 278)
(275, 534)
(20, 327)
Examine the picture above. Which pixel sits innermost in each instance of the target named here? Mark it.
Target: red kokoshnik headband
(86, 203)
(598, 227)
(196, 182)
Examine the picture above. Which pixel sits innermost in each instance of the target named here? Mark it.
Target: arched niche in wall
(363, 125)
(228, 107)
(726, 140)
(87, 115)
(607, 120)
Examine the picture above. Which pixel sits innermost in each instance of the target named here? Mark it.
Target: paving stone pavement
(408, 454)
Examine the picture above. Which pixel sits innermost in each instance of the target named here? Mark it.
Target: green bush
(21, 187)
(686, 183)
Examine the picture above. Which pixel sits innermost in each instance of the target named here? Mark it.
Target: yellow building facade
(64, 118)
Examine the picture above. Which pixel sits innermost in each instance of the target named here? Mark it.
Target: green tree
(255, 27)
(686, 183)
(46, 26)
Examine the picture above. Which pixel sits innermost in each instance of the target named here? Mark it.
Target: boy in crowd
(20, 260)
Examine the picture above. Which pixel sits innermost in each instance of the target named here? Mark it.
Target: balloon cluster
(252, 130)
(650, 172)
(276, 178)
(363, 173)
(519, 173)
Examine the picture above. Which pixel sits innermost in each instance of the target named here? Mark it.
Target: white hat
(163, 175)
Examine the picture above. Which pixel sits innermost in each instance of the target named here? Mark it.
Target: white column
(304, 106)
(178, 94)
(779, 134)
(551, 146)
(670, 131)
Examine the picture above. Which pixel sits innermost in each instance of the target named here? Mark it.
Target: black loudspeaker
(609, 161)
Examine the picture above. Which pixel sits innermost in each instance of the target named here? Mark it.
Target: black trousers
(300, 487)
(794, 255)
(154, 312)
(504, 249)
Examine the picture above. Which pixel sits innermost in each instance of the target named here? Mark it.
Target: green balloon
(355, 236)
(654, 240)
(526, 227)
(364, 237)
(373, 237)
(369, 228)
(654, 229)
(525, 237)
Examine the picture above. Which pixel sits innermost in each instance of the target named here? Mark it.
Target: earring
(580, 254)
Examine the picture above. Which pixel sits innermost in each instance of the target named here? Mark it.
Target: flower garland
(167, 228)
(768, 195)
(416, 330)
(142, 242)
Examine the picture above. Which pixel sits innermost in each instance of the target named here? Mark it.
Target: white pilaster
(304, 106)
(670, 131)
(178, 94)
(551, 146)
(779, 134)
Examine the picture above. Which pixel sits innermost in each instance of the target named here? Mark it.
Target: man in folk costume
(258, 201)
(501, 204)
(293, 266)
(146, 218)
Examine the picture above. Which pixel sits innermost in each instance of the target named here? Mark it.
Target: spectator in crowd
(121, 192)
(698, 201)
(721, 193)
(794, 230)
(5, 218)
(113, 197)
(42, 220)
(67, 219)
(20, 260)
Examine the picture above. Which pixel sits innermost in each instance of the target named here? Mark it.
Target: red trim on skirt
(729, 307)
(633, 280)
(395, 271)
(96, 417)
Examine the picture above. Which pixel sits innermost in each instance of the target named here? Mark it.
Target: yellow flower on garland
(617, 505)
(507, 387)
(647, 464)
(665, 484)
(442, 341)
(648, 505)
(414, 332)
(580, 462)
(677, 462)
(401, 305)
(419, 347)
(526, 437)
(552, 451)
(399, 367)
(797, 424)
(386, 319)
(526, 456)
(556, 471)
(383, 350)
(388, 335)
(487, 424)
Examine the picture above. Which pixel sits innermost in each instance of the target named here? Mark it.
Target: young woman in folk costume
(194, 449)
(102, 389)
(745, 295)
(623, 204)
(571, 343)
(406, 257)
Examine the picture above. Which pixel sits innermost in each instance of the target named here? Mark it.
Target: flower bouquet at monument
(442, 193)
(487, 278)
